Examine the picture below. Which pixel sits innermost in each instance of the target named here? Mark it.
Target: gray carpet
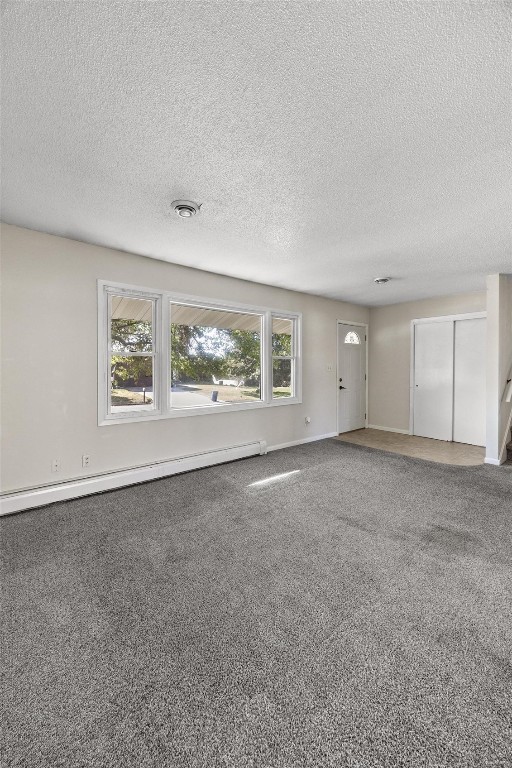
(356, 613)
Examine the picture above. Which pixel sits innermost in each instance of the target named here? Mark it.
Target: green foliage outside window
(131, 336)
(197, 353)
(200, 352)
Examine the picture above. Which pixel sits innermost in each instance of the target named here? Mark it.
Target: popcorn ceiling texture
(329, 142)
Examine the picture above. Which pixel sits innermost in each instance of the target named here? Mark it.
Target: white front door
(351, 377)
(433, 380)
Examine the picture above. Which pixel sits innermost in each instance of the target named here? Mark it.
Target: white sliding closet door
(449, 380)
(469, 382)
(433, 380)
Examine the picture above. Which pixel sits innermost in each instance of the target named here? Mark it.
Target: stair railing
(507, 394)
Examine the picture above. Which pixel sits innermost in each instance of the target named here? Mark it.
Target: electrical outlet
(307, 420)
(56, 465)
(86, 460)
(330, 368)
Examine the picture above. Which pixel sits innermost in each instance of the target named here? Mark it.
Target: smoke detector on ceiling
(381, 280)
(185, 208)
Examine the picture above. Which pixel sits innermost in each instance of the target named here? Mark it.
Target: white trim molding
(301, 442)
(31, 498)
(38, 497)
(453, 318)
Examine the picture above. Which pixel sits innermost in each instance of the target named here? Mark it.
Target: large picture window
(215, 356)
(162, 355)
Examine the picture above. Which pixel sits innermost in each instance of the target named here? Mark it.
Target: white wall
(389, 354)
(499, 360)
(49, 363)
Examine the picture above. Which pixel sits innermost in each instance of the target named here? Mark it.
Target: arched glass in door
(352, 338)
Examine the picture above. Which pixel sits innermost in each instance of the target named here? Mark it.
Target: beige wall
(390, 353)
(49, 363)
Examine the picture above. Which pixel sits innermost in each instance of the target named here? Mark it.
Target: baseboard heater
(37, 497)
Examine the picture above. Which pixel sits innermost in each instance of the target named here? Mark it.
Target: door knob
(342, 387)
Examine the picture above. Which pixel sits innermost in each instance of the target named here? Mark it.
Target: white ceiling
(328, 142)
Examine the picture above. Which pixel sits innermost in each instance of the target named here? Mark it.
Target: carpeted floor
(357, 612)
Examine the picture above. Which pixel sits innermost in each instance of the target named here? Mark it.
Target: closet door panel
(469, 381)
(433, 379)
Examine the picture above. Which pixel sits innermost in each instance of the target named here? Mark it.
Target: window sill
(204, 410)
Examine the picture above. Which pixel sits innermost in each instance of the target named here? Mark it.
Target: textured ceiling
(328, 142)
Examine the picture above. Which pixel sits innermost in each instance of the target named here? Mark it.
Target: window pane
(282, 378)
(131, 383)
(282, 330)
(215, 357)
(131, 325)
(352, 338)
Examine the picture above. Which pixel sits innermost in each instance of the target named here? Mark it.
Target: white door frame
(441, 319)
(360, 325)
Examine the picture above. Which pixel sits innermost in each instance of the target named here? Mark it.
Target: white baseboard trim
(37, 497)
(73, 489)
(494, 462)
(301, 442)
(389, 429)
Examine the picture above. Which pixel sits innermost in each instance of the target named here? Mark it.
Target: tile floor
(419, 447)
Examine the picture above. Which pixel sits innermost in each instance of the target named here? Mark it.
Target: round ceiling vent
(381, 280)
(185, 208)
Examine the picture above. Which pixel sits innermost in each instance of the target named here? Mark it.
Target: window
(131, 353)
(283, 359)
(352, 338)
(215, 356)
(162, 355)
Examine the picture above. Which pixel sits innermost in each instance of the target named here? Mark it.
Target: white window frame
(292, 357)
(161, 355)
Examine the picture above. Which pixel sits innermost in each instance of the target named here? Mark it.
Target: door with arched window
(351, 377)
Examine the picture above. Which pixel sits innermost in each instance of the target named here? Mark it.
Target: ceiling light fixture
(185, 208)
(381, 280)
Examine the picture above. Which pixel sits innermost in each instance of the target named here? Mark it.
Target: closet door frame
(414, 323)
